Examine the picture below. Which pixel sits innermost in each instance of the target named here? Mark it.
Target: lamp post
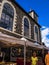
(24, 50)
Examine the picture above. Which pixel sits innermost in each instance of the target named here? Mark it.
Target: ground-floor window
(5, 54)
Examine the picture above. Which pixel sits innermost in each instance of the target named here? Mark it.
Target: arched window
(36, 33)
(7, 17)
(26, 27)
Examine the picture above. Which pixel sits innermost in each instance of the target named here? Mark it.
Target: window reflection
(7, 17)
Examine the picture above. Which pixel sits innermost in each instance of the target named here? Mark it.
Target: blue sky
(41, 7)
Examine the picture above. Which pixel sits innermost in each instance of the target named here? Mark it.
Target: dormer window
(7, 17)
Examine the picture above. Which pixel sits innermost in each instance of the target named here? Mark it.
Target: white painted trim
(5, 1)
(23, 26)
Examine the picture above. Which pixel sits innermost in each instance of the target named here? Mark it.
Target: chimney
(34, 15)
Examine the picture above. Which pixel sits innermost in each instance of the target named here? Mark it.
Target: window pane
(3, 17)
(7, 18)
(36, 29)
(10, 24)
(26, 22)
(11, 21)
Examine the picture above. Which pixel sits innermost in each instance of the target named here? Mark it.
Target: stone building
(16, 24)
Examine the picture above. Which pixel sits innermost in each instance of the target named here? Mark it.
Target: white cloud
(45, 33)
(43, 27)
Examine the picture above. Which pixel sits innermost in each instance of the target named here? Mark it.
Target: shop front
(14, 50)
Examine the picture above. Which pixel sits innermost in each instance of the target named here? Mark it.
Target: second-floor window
(7, 17)
(26, 27)
(36, 33)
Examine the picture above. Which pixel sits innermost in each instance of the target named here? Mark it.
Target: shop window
(16, 52)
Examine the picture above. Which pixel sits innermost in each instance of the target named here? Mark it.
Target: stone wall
(18, 20)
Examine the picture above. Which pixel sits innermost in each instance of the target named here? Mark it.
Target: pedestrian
(34, 59)
(47, 59)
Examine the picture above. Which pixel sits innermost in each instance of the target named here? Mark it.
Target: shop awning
(10, 40)
(13, 41)
(31, 44)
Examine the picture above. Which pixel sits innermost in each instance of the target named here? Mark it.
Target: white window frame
(23, 26)
(15, 15)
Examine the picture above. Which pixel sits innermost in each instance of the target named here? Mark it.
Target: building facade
(15, 24)
(14, 19)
